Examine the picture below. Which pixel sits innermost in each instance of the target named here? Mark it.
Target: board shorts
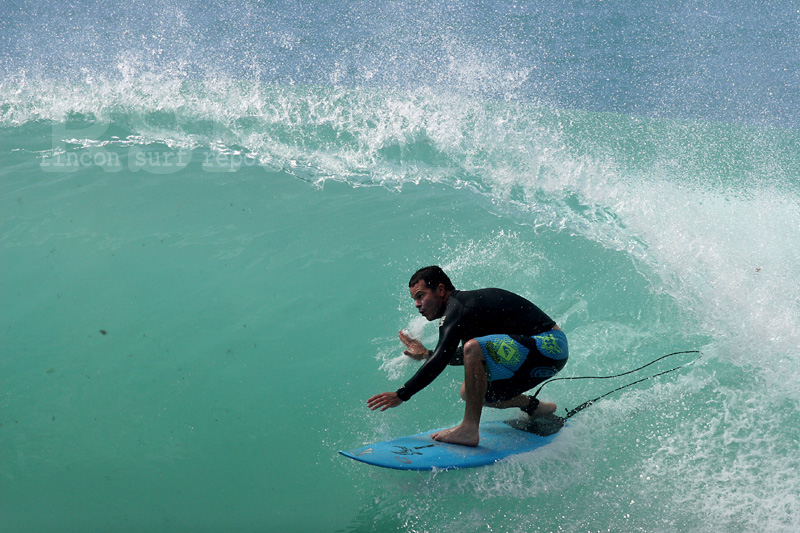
(517, 363)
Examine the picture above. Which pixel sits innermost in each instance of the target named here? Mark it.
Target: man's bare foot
(458, 435)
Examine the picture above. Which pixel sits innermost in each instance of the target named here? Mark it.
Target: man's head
(430, 288)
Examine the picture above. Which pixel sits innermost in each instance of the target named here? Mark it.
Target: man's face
(429, 302)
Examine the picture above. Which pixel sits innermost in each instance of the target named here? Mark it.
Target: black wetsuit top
(471, 314)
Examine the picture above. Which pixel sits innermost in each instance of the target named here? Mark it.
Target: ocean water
(209, 213)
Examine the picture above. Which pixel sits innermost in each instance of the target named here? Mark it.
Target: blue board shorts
(517, 363)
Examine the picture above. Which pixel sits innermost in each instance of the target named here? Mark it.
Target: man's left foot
(458, 435)
(536, 408)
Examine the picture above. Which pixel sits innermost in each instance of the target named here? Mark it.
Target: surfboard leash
(586, 404)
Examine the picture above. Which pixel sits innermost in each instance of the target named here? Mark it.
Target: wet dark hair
(432, 276)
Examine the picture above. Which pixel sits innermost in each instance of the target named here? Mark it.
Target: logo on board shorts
(543, 372)
(549, 345)
(504, 352)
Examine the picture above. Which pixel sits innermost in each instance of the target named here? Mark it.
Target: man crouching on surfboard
(509, 346)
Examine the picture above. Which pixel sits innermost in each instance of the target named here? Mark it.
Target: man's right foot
(458, 435)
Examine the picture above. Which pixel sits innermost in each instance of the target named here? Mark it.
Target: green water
(206, 234)
(245, 322)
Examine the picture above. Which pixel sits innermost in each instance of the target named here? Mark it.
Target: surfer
(509, 345)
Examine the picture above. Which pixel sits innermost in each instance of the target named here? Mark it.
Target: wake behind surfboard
(499, 440)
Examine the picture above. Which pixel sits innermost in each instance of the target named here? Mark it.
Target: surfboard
(499, 439)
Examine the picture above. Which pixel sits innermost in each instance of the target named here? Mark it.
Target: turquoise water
(209, 215)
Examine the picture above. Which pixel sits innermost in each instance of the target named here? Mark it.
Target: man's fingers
(383, 401)
(382, 406)
(405, 339)
(376, 401)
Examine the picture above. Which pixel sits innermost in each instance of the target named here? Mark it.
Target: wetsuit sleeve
(442, 355)
(458, 357)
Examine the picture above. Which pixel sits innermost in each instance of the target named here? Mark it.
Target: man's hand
(415, 349)
(384, 401)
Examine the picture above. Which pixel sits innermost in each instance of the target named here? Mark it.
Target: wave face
(210, 213)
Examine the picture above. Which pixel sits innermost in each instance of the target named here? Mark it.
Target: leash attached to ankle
(531, 407)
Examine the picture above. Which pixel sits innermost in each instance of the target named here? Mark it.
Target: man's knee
(472, 350)
(472, 354)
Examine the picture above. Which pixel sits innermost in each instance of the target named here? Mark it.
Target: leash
(586, 404)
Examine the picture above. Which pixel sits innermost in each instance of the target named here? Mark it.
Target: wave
(689, 201)
(692, 201)
(707, 211)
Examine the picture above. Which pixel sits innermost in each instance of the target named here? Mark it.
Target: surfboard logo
(404, 450)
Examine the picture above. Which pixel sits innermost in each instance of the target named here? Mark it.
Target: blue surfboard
(499, 440)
